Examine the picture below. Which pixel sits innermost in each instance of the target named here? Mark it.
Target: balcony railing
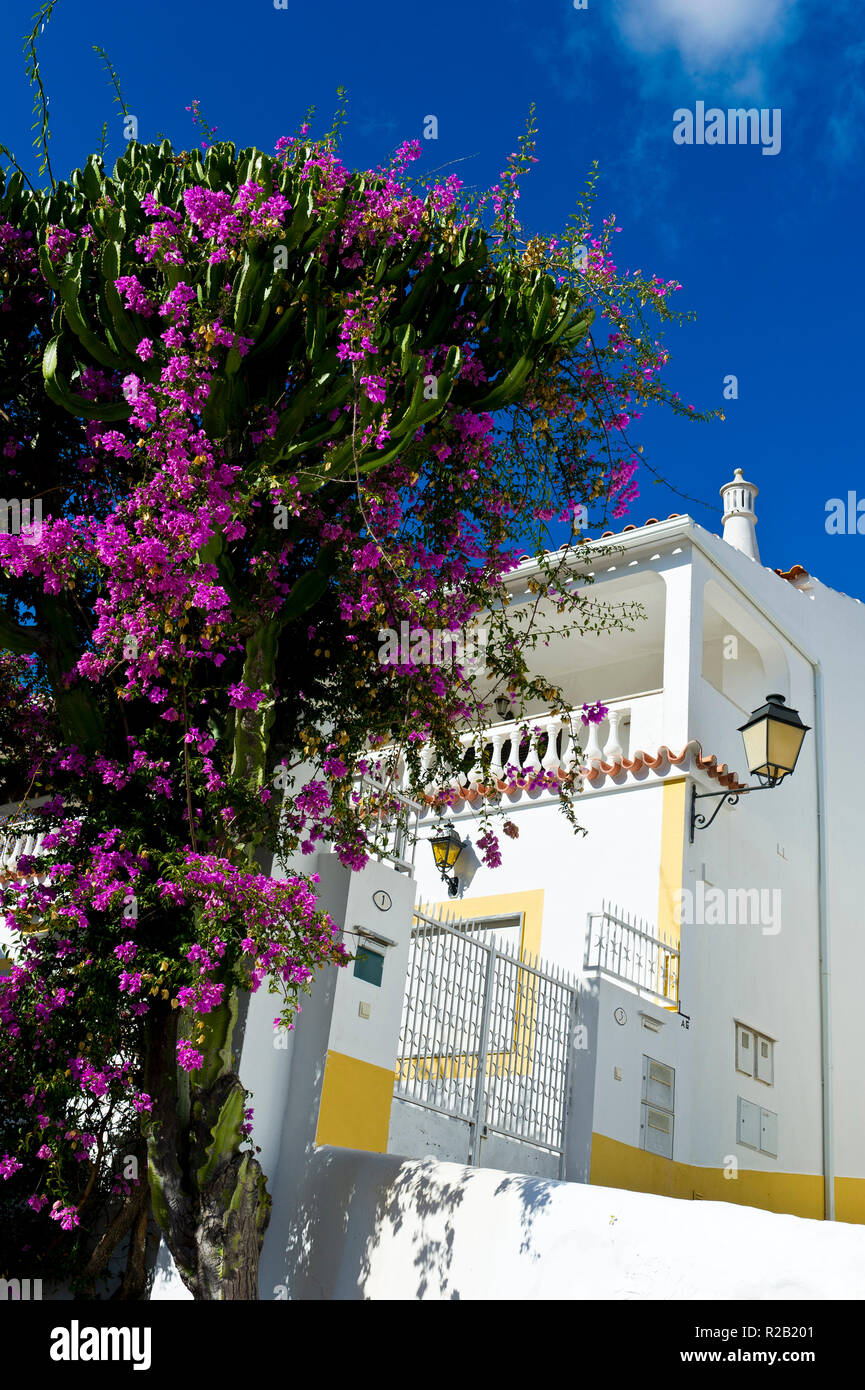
(18, 837)
(551, 743)
(631, 953)
(391, 819)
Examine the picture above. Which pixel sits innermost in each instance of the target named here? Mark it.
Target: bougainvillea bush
(260, 407)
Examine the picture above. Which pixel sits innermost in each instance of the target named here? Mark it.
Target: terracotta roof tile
(652, 521)
(597, 770)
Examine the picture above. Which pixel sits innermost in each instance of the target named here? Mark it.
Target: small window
(506, 931)
(755, 1055)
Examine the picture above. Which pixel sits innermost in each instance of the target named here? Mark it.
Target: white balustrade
(580, 745)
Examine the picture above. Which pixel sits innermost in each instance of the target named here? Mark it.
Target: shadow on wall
(533, 1196)
(375, 1226)
(361, 1213)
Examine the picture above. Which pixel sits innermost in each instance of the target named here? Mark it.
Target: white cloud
(707, 33)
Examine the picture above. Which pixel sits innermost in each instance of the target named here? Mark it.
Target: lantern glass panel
(756, 740)
(784, 743)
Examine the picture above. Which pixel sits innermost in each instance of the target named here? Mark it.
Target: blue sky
(767, 247)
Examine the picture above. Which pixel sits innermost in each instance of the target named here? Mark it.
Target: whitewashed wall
(373, 1226)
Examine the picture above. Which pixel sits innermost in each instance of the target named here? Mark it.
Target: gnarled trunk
(209, 1193)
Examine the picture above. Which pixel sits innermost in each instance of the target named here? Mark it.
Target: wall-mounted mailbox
(369, 965)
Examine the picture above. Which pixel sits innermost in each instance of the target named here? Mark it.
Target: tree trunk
(209, 1193)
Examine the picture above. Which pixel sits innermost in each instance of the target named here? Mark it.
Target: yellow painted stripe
(356, 1098)
(621, 1165)
(672, 860)
(850, 1200)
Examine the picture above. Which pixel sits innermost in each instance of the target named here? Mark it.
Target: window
(506, 931)
(657, 1107)
(755, 1055)
(757, 1128)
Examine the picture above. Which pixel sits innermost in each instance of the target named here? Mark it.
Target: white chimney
(740, 521)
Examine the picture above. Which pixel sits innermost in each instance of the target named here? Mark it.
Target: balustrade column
(427, 759)
(593, 745)
(473, 776)
(550, 761)
(613, 750)
(498, 739)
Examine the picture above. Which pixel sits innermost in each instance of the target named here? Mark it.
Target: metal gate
(486, 1035)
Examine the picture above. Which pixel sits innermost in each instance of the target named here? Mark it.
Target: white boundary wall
(375, 1226)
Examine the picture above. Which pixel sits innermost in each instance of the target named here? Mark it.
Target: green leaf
(97, 349)
(47, 269)
(544, 312)
(304, 594)
(217, 409)
(57, 389)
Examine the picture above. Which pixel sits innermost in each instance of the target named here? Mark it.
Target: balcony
(557, 744)
(18, 837)
(631, 953)
(390, 818)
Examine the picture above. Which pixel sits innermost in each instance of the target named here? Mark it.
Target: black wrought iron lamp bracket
(700, 822)
(452, 882)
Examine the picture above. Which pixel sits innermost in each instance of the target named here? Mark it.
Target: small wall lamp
(447, 848)
(773, 736)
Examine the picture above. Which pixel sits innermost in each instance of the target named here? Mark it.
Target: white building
(721, 978)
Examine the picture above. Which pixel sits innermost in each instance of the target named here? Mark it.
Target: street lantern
(773, 737)
(503, 706)
(447, 847)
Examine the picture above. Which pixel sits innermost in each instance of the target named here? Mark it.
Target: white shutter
(657, 1131)
(656, 1110)
(658, 1084)
(749, 1124)
(764, 1052)
(769, 1133)
(744, 1050)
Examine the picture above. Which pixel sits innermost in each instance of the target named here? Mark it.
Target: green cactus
(292, 315)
